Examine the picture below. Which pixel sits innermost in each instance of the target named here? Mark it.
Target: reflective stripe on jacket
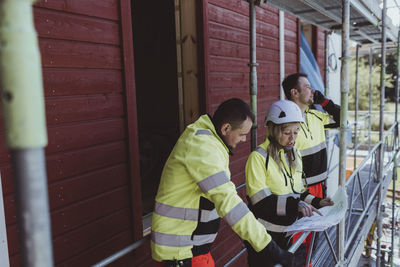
(312, 146)
(274, 191)
(194, 188)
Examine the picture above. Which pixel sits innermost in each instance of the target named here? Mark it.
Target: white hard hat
(284, 111)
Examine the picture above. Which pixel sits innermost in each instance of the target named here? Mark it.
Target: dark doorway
(156, 90)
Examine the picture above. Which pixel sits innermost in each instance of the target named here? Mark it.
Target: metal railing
(366, 196)
(122, 252)
(370, 163)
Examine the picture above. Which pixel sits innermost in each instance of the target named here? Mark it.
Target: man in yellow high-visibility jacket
(196, 191)
(311, 141)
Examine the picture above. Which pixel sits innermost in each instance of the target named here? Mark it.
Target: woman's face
(288, 134)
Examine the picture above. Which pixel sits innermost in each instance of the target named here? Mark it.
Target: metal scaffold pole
(396, 142)
(253, 72)
(25, 129)
(344, 89)
(356, 108)
(327, 36)
(370, 98)
(381, 129)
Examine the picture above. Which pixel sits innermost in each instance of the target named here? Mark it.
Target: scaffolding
(365, 23)
(362, 22)
(358, 20)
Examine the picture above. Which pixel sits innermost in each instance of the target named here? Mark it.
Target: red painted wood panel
(87, 211)
(227, 55)
(267, 14)
(84, 87)
(12, 240)
(290, 68)
(83, 108)
(61, 25)
(238, 6)
(290, 47)
(91, 235)
(63, 82)
(100, 251)
(290, 57)
(6, 178)
(228, 80)
(220, 251)
(96, 8)
(234, 50)
(75, 136)
(87, 157)
(227, 17)
(132, 118)
(225, 32)
(73, 54)
(81, 187)
(267, 28)
(290, 36)
(10, 209)
(4, 154)
(320, 52)
(15, 261)
(242, 7)
(73, 163)
(226, 64)
(78, 213)
(290, 23)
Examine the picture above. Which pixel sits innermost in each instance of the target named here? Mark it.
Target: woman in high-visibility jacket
(196, 191)
(274, 182)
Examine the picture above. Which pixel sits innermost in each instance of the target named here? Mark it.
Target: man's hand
(319, 98)
(326, 202)
(281, 256)
(306, 209)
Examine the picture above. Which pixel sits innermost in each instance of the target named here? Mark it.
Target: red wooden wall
(318, 48)
(226, 55)
(91, 147)
(92, 157)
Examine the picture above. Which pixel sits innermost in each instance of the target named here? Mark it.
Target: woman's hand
(306, 209)
(326, 202)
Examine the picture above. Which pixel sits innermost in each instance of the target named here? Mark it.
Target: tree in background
(363, 84)
(391, 69)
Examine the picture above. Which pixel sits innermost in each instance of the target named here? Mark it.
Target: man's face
(234, 137)
(306, 93)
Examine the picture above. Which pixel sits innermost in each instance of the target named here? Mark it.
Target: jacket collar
(209, 124)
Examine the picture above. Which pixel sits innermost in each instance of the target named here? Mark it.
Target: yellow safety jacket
(195, 190)
(312, 146)
(274, 191)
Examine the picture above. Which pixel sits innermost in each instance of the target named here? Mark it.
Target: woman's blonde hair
(274, 132)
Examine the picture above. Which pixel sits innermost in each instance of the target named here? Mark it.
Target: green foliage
(391, 68)
(363, 84)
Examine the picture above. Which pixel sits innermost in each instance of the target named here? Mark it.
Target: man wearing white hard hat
(274, 185)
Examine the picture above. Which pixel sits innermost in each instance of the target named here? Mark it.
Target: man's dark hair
(291, 82)
(233, 111)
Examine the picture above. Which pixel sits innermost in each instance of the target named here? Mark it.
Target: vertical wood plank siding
(226, 58)
(89, 97)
